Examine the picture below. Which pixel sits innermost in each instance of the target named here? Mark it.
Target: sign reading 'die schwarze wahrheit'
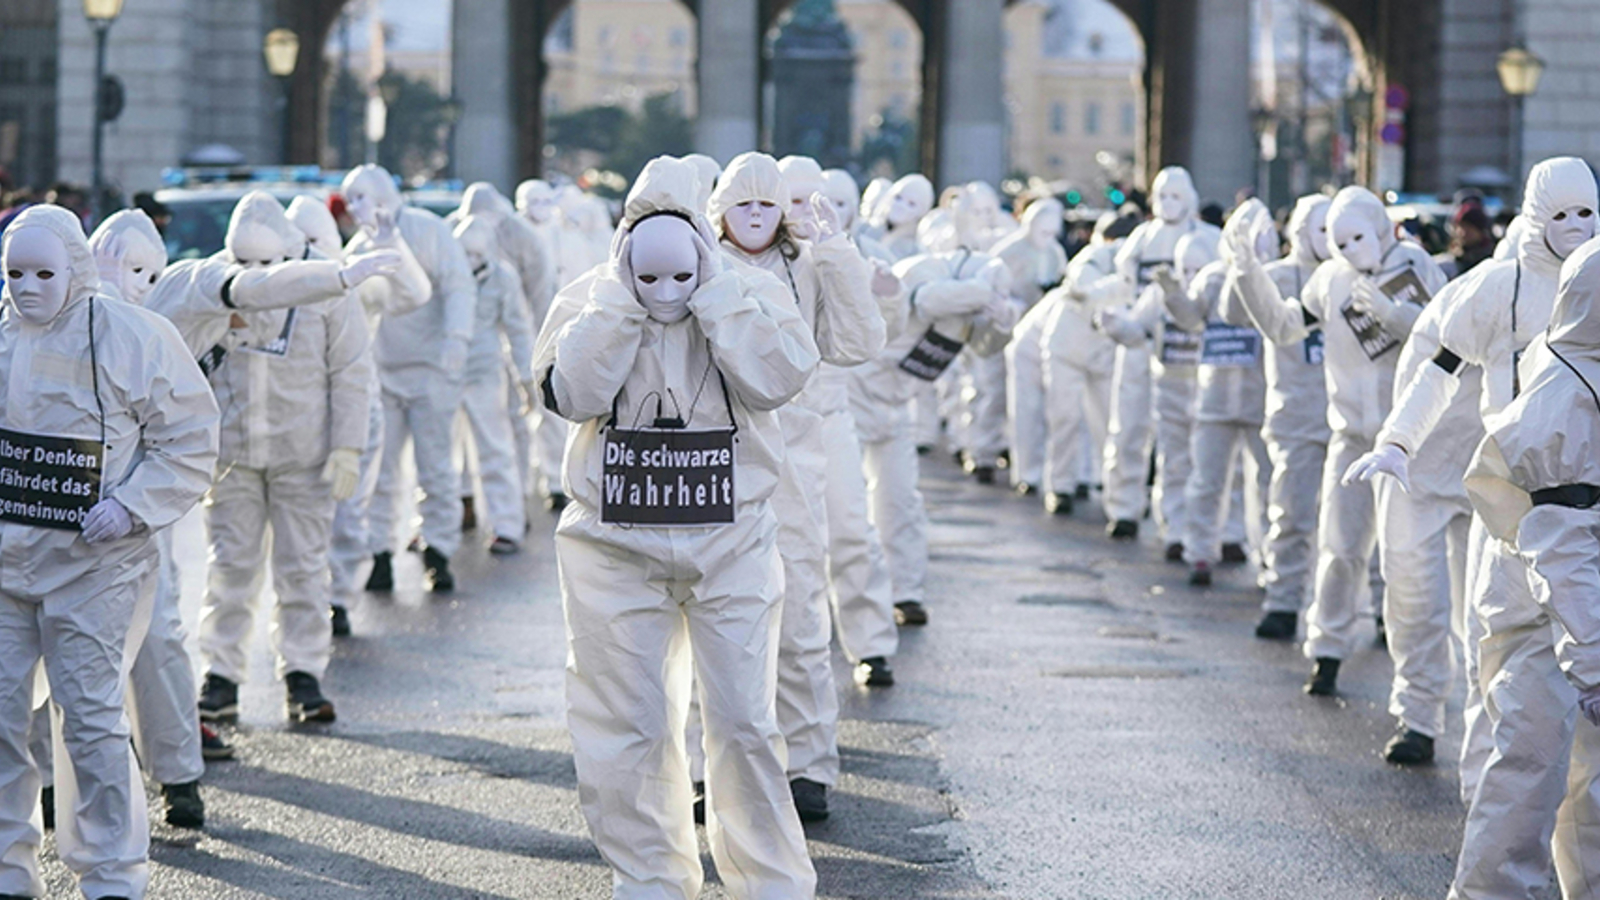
(46, 481)
(931, 356)
(667, 477)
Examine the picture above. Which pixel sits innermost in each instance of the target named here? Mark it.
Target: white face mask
(257, 247)
(363, 201)
(139, 267)
(542, 211)
(1170, 205)
(1044, 229)
(903, 210)
(800, 200)
(846, 208)
(38, 274)
(666, 266)
(1317, 228)
(753, 224)
(1358, 243)
(1569, 229)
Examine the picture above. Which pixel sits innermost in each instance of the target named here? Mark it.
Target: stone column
(1222, 148)
(971, 93)
(729, 78)
(481, 77)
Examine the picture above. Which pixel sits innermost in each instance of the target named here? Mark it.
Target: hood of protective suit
(1193, 252)
(1177, 178)
(483, 200)
(1575, 321)
(1047, 209)
(1359, 203)
(311, 216)
(841, 190)
(667, 185)
(1302, 243)
(476, 236)
(260, 216)
(916, 190)
(126, 241)
(1554, 185)
(84, 279)
(799, 172)
(750, 176)
(1507, 248)
(709, 171)
(377, 184)
(534, 191)
(872, 199)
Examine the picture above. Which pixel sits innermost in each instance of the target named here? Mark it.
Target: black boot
(1278, 626)
(47, 803)
(1081, 492)
(910, 612)
(983, 474)
(556, 502)
(1058, 504)
(1123, 530)
(437, 567)
(1234, 554)
(1200, 574)
(469, 514)
(381, 581)
(1324, 680)
(810, 799)
(219, 699)
(212, 746)
(185, 809)
(339, 617)
(699, 802)
(1025, 489)
(1409, 748)
(874, 671)
(1174, 552)
(305, 700)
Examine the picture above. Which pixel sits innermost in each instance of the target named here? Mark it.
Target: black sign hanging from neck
(47, 481)
(667, 477)
(932, 354)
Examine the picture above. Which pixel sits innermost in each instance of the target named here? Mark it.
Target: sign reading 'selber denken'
(667, 477)
(46, 481)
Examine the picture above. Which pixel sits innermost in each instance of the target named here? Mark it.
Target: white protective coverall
(1226, 447)
(956, 300)
(294, 389)
(1038, 264)
(420, 356)
(1151, 245)
(502, 343)
(536, 201)
(1532, 482)
(893, 223)
(118, 379)
(1079, 360)
(1362, 332)
(131, 256)
(830, 283)
(1296, 421)
(645, 603)
(981, 404)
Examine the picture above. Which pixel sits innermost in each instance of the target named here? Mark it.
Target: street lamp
(1519, 72)
(281, 48)
(100, 13)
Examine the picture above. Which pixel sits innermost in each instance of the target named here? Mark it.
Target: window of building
(1058, 118)
(1129, 119)
(1091, 118)
(13, 70)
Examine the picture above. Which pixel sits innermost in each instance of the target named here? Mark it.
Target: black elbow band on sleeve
(548, 389)
(1447, 361)
(227, 292)
(1306, 316)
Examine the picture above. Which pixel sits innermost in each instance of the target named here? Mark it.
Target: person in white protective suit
(859, 583)
(977, 386)
(709, 171)
(1038, 264)
(872, 199)
(1366, 300)
(529, 254)
(1174, 358)
(1226, 446)
(1296, 421)
(1533, 483)
(547, 439)
(1176, 208)
(502, 341)
(110, 390)
(421, 356)
(893, 222)
(804, 248)
(1501, 307)
(294, 393)
(1078, 361)
(957, 300)
(668, 351)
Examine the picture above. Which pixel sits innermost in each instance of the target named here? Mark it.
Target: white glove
(1390, 459)
(343, 472)
(884, 282)
(1167, 279)
(385, 231)
(1589, 703)
(826, 217)
(360, 268)
(1366, 297)
(454, 357)
(107, 520)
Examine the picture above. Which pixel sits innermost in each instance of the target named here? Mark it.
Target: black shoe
(1278, 626)
(810, 799)
(415, 545)
(437, 567)
(47, 803)
(185, 809)
(305, 700)
(469, 514)
(381, 581)
(699, 802)
(983, 474)
(1324, 680)
(504, 546)
(1025, 489)
(1002, 460)
(874, 671)
(1382, 639)
(212, 746)
(1123, 530)
(1058, 504)
(556, 502)
(963, 460)
(219, 699)
(1200, 575)
(340, 618)
(1174, 552)
(910, 612)
(924, 449)
(1233, 554)
(1409, 748)
(1081, 492)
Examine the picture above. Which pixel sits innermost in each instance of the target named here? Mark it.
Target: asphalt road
(1075, 723)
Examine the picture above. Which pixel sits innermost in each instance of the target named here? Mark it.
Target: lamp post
(1519, 72)
(100, 13)
(281, 49)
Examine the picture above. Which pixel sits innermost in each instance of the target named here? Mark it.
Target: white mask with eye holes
(753, 224)
(1171, 205)
(141, 265)
(1569, 229)
(666, 265)
(1357, 243)
(257, 247)
(1317, 228)
(38, 274)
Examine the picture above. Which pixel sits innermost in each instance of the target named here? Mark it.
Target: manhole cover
(1129, 632)
(1064, 600)
(1129, 673)
(1072, 569)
